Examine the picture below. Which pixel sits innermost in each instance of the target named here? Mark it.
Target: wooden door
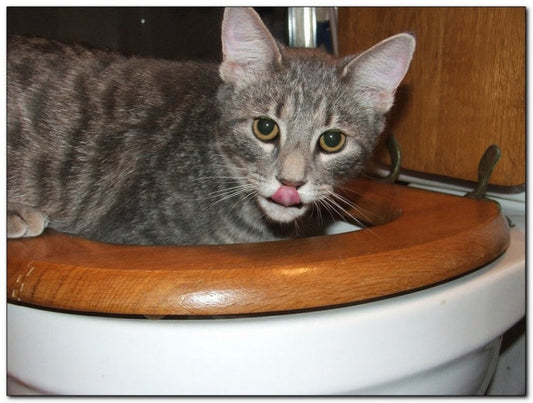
(465, 89)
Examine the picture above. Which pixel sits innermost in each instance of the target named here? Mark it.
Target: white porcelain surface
(510, 375)
(469, 374)
(369, 348)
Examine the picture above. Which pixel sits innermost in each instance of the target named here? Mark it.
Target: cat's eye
(265, 129)
(332, 141)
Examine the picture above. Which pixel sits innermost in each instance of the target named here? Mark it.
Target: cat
(147, 151)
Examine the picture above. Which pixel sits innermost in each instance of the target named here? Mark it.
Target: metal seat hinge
(395, 154)
(486, 165)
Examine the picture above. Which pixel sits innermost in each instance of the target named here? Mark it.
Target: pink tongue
(286, 195)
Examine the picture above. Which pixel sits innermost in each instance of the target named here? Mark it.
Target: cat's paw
(24, 221)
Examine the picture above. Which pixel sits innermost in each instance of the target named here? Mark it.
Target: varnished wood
(464, 91)
(421, 238)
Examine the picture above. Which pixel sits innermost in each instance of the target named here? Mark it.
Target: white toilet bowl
(438, 340)
(442, 339)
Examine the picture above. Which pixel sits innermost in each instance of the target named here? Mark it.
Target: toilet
(415, 301)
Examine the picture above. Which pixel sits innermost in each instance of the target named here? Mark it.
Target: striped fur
(142, 151)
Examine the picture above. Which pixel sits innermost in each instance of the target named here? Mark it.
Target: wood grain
(419, 238)
(465, 89)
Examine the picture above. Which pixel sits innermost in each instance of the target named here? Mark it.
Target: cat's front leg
(24, 221)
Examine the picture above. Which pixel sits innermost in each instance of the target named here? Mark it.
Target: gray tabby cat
(141, 151)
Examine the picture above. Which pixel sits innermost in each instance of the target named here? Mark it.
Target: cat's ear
(378, 71)
(248, 48)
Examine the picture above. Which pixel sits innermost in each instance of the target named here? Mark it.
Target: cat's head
(298, 122)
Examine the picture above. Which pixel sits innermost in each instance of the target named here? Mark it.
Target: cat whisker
(228, 193)
(244, 197)
(316, 208)
(351, 190)
(336, 201)
(324, 205)
(363, 212)
(224, 179)
(340, 200)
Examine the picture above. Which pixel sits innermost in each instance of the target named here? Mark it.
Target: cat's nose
(291, 183)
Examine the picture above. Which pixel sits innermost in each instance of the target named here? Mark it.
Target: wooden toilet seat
(419, 238)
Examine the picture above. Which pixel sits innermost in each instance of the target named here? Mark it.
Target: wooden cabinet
(465, 89)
